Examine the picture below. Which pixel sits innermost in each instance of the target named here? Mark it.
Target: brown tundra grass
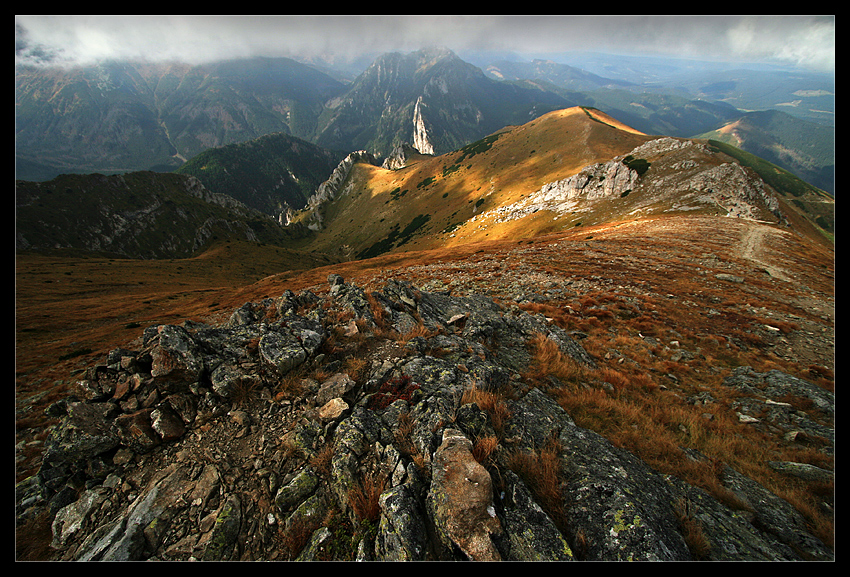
(483, 449)
(363, 497)
(549, 360)
(634, 412)
(541, 472)
(491, 403)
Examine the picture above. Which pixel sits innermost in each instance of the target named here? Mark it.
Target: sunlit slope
(430, 202)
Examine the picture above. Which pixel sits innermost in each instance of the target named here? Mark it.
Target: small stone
(241, 418)
(333, 409)
(729, 278)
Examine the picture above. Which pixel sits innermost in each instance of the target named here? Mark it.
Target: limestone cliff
(398, 157)
(420, 131)
(333, 186)
(661, 176)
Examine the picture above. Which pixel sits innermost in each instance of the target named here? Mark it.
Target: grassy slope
(631, 281)
(71, 309)
(777, 137)
(798, 197)
(450, 189)
(438, 201)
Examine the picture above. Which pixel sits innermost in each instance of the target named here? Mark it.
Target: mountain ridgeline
(143, 215)
(568, 168)
(120, 116)
(480, 321)
(804, 148)
(272, 174)
(448, 101)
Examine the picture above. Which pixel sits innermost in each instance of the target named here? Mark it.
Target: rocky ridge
(682, 179)
(399, 156)
(137, 215)
(332, 187)
(268, 437)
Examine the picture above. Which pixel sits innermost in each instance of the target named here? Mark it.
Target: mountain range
(804, 148)
(565, 169)
(121, 116)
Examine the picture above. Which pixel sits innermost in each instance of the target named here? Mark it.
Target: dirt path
(752, 247)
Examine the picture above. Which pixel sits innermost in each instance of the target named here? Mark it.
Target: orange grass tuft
(483, 448)
(541, 472)
(547, 359)
(491, 403)
(363, 497)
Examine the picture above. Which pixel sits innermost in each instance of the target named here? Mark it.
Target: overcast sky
(805, 41)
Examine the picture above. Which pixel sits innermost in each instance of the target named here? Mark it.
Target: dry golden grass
(32, 540)
(363, 497)
(404, 438)
(547, 359)
(633, 403)
(520, 161)
(380, 314)
(483, 449)
(490, 402)
(420, 330)
(540, 470)
(627, 403)
(291, 539)
(692, 530)
(244, 392)
(290, 385)
(357, 368)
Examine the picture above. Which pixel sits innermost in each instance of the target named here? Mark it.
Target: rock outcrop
(659, 176)
(601, 180)
(421, 142)
(333, 186)
(346, 426)
(398, 157)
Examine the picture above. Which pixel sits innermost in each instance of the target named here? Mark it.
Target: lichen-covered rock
(402, 533)
(281, 352)
(71, 520)
(225, 532)
(176, 358)
(461, 500)
(184, 451)
(532, 534)
(762, 393)
(297, 490)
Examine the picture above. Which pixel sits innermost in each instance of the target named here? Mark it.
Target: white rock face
(332, 187)
(420, 134)
(594, 182)
(683, 184)
(600, 180)
(398, 157)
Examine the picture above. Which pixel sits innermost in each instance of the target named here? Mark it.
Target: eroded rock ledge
(346, 426)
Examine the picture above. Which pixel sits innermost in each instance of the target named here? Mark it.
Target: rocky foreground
(389, 425)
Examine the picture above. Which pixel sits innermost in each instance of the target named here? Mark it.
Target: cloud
(802, 41)
(805, 42)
